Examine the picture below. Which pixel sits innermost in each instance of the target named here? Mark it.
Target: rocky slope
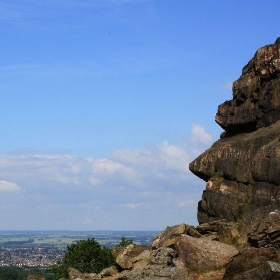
(238, 236)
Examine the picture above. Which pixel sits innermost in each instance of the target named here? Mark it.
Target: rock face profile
(238, 236)
(242, 168)
(256, 100)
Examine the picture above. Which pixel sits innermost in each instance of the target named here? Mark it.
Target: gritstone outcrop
(242, 168)
(238, 235)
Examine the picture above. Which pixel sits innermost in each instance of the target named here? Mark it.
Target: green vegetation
(86, 256)
(125, 242)
(15, 273)
(24, 253)
(61, 239)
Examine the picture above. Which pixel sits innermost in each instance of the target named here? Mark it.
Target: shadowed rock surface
(242, 168)
(247, 259)
(267, 271)
(256, 100)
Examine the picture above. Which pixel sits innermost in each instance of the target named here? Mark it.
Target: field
(63, 238)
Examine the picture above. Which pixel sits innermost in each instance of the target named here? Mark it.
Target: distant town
(42, 249)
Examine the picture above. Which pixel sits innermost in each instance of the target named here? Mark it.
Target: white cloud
(154, 179)
(6, 186)
(174, 157)
(132, 205)
(186, 203)
(200, 136)
(153, 166)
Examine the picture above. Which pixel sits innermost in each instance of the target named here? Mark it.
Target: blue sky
(104, 103)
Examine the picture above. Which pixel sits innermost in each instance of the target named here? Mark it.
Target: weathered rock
(169, 236)
(242, 168)
(75, 274)
(226, 232)
(236, 158)
(143, 259)
(265, 232)
(181, 274)
(202, 255)
(247, 259)
(211, 275)
(126, 255)
(237, 176)
(159, 272)
(35, 277)
(256, 100)
(163, 256)
(110, 271)
(267, 271)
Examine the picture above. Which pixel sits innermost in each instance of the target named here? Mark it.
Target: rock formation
(238, 236)
(242, 168)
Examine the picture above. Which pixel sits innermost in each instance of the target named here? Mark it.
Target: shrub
(86, 256)
(125, 242)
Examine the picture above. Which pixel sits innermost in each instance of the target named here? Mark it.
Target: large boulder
(169, 236)
(202, 255)
(127, 256)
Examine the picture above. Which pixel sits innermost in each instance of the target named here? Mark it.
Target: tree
(86, 256)
(16, 273)
(125, 242)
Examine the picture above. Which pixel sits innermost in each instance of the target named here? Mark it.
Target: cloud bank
(9, 187)
(146, 188)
